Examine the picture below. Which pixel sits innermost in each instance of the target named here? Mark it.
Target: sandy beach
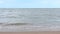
(46, 32)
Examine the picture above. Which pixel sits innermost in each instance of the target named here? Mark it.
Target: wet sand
(50, 32)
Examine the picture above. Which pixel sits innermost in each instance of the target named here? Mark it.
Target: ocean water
(45, 17)
(29, 19)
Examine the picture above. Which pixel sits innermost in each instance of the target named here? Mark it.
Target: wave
(14, 24)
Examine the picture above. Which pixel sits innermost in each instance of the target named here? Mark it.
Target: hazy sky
(29, 3)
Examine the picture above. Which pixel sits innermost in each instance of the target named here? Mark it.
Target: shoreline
(28, 28)
(44, 32)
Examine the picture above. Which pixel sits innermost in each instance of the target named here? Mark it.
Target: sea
(35, 16)
(30, 15)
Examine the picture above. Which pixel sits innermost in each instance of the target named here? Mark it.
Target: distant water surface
(34, 16)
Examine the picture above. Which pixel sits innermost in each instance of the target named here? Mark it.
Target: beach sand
(46, 32)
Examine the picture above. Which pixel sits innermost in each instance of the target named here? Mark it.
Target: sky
(29, 3)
